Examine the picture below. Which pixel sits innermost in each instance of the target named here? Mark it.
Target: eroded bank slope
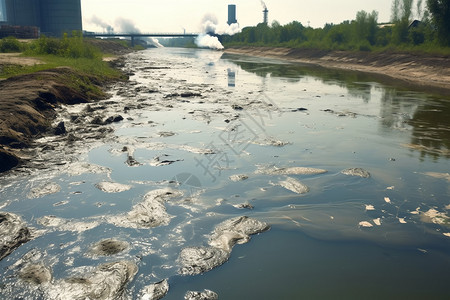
(28, 103)
(431, 72)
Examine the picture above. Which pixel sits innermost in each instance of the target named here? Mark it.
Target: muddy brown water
(350, 172)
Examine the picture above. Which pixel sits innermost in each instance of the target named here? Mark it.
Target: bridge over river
(133, 36)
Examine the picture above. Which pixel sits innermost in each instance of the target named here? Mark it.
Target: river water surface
(228, 136)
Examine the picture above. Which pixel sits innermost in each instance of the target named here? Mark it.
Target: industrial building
(265, 13)
(232, 14)
(51, 17)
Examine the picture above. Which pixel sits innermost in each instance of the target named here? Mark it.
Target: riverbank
(29, 102)
(430, 72)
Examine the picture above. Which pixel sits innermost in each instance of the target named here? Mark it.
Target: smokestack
(265, 13)
(231, 14)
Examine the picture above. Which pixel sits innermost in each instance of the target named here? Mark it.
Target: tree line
(424, 25)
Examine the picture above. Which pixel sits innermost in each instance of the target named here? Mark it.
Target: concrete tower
(53, 17)
(58, 17)
(265, 13)
(22, 12)
(231, 14)
(3, 11)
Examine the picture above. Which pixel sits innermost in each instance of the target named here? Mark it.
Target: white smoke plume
(99, 22)
(207, 41)
(211, 26)
(263, 4)
(128, 26)
(123, 26)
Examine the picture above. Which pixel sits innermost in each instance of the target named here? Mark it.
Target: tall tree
(401, 10)
(440, 14)
(366, 26)
(419, 7)
(395, 11)
(407, 9)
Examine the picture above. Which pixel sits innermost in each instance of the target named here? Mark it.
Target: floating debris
(236, 231)
(107, 281)
(205, 295)
(166, 133)
(82, 168)
(377, 221)
(365, 224)
(243, 206)
(35, 274)
(294, 185)
(66, 225)
(13, 233)
(112, 187)
(197, 260)
(108, 247)
(158, 161)
(290, 171)
(445, 176)
(195, 150)
(60, 203)
(369, 207)
(238, 177)
(402, 220)
(155, 291)
(356, 172)
(434, 216)
(44, 190)
(151, 212)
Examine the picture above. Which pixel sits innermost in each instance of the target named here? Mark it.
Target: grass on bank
(73, 52)
(94, 67)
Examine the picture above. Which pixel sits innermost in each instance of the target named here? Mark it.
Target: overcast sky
(173, 16)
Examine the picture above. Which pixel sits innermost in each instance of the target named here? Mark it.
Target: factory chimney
(231, 14)
(265, 13)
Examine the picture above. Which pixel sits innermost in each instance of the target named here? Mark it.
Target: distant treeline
(419, 25)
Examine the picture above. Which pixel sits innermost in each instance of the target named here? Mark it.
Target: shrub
(69, 47)
(10, 45)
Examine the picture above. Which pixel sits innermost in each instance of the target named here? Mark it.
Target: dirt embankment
(27, 107)
(428, 71)
(28, 102)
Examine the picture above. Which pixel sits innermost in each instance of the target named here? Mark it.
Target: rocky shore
(428, 72)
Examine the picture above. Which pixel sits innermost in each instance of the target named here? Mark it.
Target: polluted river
(209, 175)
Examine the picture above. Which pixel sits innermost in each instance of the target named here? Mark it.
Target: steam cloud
(99, 22)
(211, 26)
(124, 26)
(207, 41)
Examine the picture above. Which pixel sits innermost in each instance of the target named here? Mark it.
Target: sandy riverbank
(426, 71)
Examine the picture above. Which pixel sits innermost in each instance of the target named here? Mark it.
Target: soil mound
(28, 102)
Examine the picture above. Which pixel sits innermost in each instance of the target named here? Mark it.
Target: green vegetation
(73, 52)
(430, 33)
(68, 47)
(10, 45)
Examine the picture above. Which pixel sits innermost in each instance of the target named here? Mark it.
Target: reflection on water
(231, 78)
(428, 116)
(208, 137)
